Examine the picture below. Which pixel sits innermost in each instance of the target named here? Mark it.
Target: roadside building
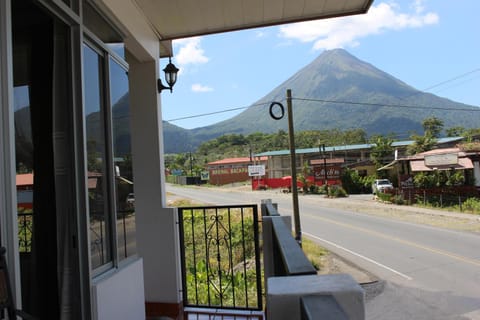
(231, 170)
(337, 158)
(452, 160)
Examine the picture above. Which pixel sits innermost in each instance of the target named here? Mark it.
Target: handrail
(289, 258)
(294, 260)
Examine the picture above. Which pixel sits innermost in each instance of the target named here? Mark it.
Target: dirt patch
(334, 264)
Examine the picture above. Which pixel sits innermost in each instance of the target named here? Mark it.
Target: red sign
(333, 172)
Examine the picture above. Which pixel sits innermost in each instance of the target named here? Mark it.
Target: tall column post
(157, 231)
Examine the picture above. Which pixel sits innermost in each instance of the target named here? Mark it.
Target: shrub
(386, 197)
(337, 192)
(472, 205)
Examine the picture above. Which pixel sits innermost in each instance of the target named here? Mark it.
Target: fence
(221, 257)
(440, 197)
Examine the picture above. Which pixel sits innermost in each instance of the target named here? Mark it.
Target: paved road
(429, 272)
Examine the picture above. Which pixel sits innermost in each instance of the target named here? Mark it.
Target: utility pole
(325, 169)
(251, 162)
(293, 167)
(191, 164)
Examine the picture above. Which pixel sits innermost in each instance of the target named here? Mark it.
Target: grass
(315, 253)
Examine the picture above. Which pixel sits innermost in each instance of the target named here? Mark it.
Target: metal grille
(220, 257)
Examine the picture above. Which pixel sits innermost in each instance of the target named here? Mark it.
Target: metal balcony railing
(284, 259)
(25, 229)
(221, 257)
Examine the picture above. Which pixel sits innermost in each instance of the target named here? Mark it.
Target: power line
(217, 112)
(329, 101)
(452, 79)
(384, 105)
(351, 102)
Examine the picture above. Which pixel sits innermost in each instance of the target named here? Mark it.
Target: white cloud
(346, 31)
(201, 88)
(190, 52)
(260, 34)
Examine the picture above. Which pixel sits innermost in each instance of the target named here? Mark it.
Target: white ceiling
(174, 19)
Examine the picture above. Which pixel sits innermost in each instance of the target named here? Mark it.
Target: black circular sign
(277, 115)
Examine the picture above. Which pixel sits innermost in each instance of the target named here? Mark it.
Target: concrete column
(284, 293)
(157, 231)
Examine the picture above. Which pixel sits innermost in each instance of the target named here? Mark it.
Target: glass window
(125, 197)
(24, 166)
(97, 173)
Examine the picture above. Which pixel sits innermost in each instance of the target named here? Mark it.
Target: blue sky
(432, 45)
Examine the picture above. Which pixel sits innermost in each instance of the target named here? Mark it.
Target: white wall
(119, 294)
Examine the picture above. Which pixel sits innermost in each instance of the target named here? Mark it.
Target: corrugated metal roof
(350, 147)
(236, 160)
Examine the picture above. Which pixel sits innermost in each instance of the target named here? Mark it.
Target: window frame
(110, 207)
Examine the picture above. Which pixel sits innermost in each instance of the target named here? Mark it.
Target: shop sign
(333, 172)
(256, 170)
(445, 159)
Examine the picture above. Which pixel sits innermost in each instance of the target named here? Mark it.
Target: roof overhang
(175, 19)
(462, 164)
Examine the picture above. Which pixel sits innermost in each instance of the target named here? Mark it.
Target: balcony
(221, 257)
(222, 268)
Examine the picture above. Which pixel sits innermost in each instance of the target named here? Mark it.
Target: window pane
(123, 161)
(24, 164)
(100, 246)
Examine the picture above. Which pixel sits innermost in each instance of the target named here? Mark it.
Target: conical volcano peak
(340, 61)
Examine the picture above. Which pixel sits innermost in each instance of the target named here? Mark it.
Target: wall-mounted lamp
(170, 76)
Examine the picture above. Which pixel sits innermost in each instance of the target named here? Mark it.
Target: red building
(24, 191)
(231, 170)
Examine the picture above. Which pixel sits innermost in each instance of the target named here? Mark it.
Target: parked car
(381, 185)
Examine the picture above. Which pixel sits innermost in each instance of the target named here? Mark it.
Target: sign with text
(205, 175)
(256, 170)
(441, 159)
(333, 172)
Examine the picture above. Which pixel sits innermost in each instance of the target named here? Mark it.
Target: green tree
(382, 150)
(432, 128)
(455, 131)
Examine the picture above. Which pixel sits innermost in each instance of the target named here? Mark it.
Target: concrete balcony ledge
(285, 293)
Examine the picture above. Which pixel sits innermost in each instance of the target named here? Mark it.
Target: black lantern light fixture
(170, 76)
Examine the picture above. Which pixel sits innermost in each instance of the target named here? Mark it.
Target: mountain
(337, 90)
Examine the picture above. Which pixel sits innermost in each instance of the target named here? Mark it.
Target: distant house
(442, 159)
(24, 191)
(232, 170)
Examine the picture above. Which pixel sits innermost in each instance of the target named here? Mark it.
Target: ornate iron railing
(220, 257)
(25, 229)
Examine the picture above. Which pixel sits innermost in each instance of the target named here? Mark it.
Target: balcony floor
(222, 314)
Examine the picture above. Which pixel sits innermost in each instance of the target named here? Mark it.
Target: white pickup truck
(381, 186)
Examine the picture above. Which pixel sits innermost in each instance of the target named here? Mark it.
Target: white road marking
(359, 255)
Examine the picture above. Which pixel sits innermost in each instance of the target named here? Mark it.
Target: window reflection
(24, 166)
(118, 48)
(123, 161)
(96, 159)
